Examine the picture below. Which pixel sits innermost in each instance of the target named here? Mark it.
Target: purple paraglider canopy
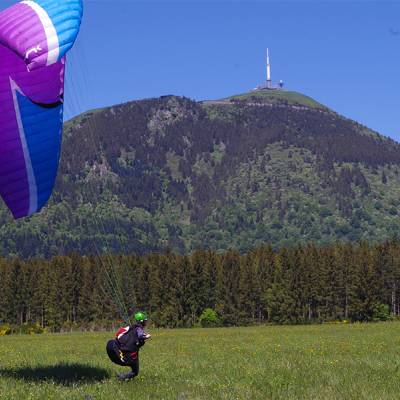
(34, 38)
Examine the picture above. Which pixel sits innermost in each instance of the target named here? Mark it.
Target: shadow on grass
(62, 374)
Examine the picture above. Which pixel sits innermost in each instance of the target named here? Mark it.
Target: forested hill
(170, 172)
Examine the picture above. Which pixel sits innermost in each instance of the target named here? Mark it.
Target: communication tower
(268, 85)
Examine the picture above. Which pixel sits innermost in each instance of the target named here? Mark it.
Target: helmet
(140, 316)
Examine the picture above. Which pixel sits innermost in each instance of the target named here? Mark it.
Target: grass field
(270, 362)
(277, 96)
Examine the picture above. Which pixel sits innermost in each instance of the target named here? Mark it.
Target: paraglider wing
(34, 37)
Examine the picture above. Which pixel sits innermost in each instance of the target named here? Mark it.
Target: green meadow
(331, 361)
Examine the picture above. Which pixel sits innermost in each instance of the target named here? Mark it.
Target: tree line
(356, 282)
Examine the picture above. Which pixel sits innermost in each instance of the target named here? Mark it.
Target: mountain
(265, 166)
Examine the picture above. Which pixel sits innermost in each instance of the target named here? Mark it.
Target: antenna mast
(268, 71)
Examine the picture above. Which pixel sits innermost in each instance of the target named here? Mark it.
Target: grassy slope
(301, 362)
(279, 96)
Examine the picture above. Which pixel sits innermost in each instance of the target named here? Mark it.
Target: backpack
(127, 339)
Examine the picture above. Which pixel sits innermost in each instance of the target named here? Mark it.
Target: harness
(132, 355)
(127, 337)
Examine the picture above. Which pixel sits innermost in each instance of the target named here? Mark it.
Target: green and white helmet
(140, 316)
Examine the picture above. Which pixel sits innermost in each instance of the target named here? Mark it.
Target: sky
(345, 54)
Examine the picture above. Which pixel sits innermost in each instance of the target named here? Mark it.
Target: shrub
(393, 211)
(381, 312)
(5, 329)
(30, 329)
(208, 318)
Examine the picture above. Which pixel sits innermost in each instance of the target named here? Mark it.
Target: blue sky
(344, 54)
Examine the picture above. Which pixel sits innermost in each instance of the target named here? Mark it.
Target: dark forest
(305, 284)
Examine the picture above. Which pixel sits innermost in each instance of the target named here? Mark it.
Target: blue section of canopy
(43, 130)
(66, 17)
